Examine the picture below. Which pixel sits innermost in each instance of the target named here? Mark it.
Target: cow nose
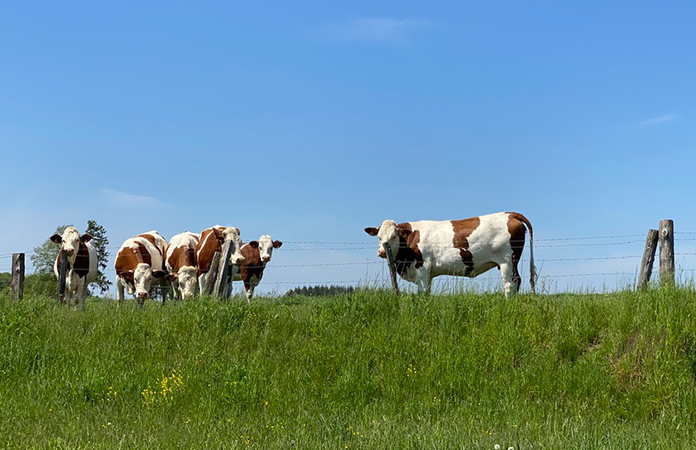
(142, 294)
(265, 259)
(381, 254)
(69, 251)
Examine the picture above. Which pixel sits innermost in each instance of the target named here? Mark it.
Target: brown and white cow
(256, 255)
(139, 262)
(82, 263)
(180, 263)
(212, 240)
(469, 247)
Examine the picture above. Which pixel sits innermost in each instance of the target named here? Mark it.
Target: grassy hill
(366, 370)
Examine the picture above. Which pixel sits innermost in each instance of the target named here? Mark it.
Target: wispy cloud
(658, 120)
(375, 29)
(132, 200)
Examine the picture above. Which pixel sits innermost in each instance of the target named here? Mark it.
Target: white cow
(139, 262)
(82, 263)
(181, 264)
(256, 255)
(469, 247)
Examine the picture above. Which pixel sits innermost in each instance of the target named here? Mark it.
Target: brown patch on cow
(462, 230)
(150, 238)
(517, 230)
(372, 231)
(251, 265)
(129, 258)
(182, 257)
(211, 241)
(81, 265)
(408, 252)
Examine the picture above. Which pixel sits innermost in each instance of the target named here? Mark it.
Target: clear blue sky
(313, 120)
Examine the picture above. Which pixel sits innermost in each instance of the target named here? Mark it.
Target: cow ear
(159, 273)
(85, 238)
(56, 238)
(277, 244)
(372, 231)
(239, 233)
(253, 244)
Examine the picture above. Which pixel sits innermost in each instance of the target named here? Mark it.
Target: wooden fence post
(17, 283)
(63, 274)
(667, 252)
(224, 270)
(392, 268)
(212, 274)
(646, 264)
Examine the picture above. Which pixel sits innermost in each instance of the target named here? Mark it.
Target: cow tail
(532, 269)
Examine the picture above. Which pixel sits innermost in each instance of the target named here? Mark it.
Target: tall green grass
(368, 370)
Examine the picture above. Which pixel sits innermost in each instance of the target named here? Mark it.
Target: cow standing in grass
(469, 247)
(212, 240)
(82, 263)
(139, 264)
(181, 264)
(256, 255)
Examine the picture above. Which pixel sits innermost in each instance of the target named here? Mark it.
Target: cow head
(143, 276)
(266, 245)
(390, 233)
(185, 281)
(232, 234)
(70, 240)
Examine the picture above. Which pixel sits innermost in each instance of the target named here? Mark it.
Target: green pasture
(368, 370)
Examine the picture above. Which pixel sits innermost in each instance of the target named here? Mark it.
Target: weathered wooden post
(17, 283)
(667, 252)
(212, 274)
(392, 267)
(63, 274)
(224, 270)
(646, 265)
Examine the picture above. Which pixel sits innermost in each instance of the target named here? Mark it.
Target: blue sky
(312, 121)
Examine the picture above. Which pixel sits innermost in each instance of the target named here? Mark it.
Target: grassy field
(370, 370)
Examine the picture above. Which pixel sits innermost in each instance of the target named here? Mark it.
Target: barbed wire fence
(562, 264)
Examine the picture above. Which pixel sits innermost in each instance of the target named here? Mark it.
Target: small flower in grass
(112, 394)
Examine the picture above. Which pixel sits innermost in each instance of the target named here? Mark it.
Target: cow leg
(81, 297)
(201, 283)
(249, 290)
(423, 280)
(506, 275)
(119, 285)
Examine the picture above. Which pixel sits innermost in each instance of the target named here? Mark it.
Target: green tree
(44, 256)
(101, 243)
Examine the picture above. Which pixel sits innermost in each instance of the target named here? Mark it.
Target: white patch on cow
(388, 233)
(232, 234)
(186, 281)
(265, 248)
(142, 278)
